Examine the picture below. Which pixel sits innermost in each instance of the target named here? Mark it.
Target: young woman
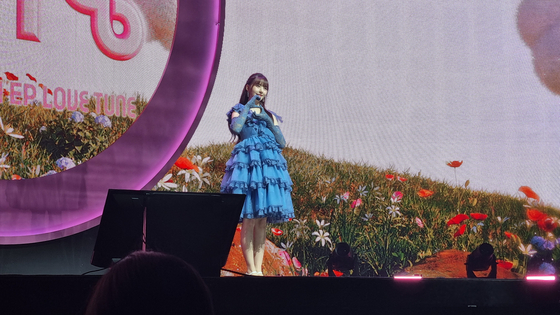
(257, 169)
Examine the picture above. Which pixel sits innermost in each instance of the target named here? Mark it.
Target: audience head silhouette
(481, 259)
(150, 283)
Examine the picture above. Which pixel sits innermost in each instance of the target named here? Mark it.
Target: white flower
(322, 237)
(202, 177)
(501, 221)
(377, 193)
(343, 197)
(300, 222)
(8, 130)
(201, 161)
(164, 184)
(394, 211)
(321, 224)
(362, 191)
(287, 246)
(367, 217)
(300, 228)
(3, 160)
(527, 250)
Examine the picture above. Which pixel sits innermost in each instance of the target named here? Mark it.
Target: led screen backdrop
(79, 113)
(403, 87)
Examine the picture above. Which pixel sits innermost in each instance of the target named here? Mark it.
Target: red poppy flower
(425, 193)
(535, 215)
(510, 235)
(547, 225)
(32, 78)
(185, 164)
(454, 164)
(276, 231)
(529, 192)
(505, 264)
(460, 231)
(401, 179)
(479, 216)
(457, 219)
(338, 273)
(11, 76)
(389, 176)
(16, 177)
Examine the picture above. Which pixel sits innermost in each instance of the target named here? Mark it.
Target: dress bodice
(252, 127)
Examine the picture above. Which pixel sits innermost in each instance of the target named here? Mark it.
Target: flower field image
(393, 222)
(37, 140)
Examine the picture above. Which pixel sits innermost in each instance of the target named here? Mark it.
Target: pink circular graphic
(54, 206)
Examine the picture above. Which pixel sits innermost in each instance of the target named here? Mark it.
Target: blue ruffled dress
(257, 169)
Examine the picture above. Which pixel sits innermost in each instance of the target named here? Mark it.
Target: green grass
(385, 244)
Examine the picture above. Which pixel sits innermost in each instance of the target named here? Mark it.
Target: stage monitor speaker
(197, 227)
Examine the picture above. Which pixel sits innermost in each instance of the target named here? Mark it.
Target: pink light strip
(414, 277)
(541, 278)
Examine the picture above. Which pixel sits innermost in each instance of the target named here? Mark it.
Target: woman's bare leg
(259, 240)
(247, 243)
